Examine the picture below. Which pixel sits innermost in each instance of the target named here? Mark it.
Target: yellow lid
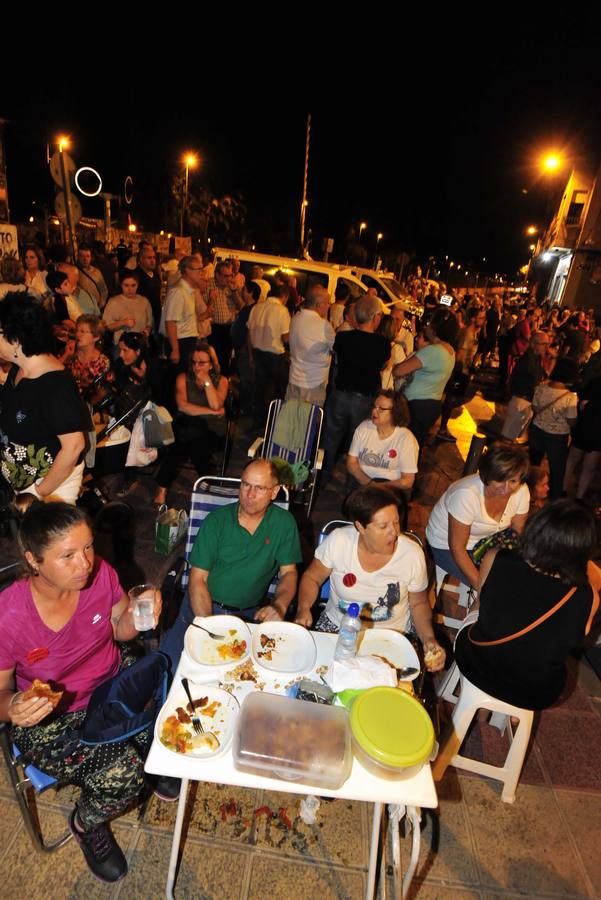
(392, 727)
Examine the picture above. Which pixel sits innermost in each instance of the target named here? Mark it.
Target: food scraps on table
(244, 672)
(233, 650)
(176, 736)
(268, 645)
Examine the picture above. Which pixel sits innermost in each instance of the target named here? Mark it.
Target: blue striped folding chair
(210, 493)
(309, 453)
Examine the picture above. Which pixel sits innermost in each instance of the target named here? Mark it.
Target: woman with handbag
(477, 507)
(60, 624)
(536, 604)
(199, 394)
(555, 408)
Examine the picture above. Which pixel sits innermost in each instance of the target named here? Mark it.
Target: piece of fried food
(43, 691)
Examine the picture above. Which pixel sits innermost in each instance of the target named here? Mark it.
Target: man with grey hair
(178, 318)
(237, 552)
(311, 341)
(361, 354)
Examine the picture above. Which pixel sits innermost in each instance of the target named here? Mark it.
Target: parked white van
(388, 289)
(307, 272)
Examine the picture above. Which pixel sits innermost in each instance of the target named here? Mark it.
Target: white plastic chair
(464, 593)
(471, 699)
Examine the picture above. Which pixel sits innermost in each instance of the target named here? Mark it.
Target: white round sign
(78, 185)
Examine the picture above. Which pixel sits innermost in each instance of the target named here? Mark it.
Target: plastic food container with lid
(392, 734)
(280, 737)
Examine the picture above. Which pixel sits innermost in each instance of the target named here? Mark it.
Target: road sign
(56, 170)
(60, 208)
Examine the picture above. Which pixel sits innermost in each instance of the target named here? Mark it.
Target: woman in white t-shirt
(371, 563)
(479, 506)
(383, 449)
(555, 411)
(35, 271)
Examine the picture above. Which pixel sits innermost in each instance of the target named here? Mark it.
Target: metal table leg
(177, 834)
(414, 816)
(373, 851)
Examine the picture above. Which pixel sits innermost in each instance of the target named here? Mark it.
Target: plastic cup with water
(142, 597)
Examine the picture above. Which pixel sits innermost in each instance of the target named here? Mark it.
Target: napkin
(360, 672)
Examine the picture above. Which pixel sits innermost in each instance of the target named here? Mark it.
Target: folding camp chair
(209, 493)
(309, 453)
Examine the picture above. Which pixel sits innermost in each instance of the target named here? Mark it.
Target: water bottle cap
(353, 610)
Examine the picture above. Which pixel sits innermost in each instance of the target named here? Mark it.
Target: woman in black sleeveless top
(200, 393)
(520, 587)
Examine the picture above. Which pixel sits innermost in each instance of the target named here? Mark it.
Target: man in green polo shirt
(237, 552)
(241, 547)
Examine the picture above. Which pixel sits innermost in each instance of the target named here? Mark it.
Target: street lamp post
(379, 237)
(362, 227)
(191, 161)
(63, 144)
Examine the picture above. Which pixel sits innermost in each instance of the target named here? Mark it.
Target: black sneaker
(102, 853)
(167, 789)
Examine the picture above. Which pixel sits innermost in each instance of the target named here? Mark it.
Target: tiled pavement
(473, 846)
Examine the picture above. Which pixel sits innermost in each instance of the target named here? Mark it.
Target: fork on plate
(196, 723)
(216, 637)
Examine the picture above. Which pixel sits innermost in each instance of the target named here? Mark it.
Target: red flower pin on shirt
(349, 579)
(37, 655)
(392, 454)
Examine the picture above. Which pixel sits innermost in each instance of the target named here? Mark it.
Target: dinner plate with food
(283, 647)
(231, 644)
(217, 711)
(391, 646)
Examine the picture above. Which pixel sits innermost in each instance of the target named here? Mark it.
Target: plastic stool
(464, 598)
(31, 778)
(471, 699)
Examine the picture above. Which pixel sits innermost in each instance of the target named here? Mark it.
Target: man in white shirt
(178, 319)
(268, 329)
(311, 341)
(257, 275)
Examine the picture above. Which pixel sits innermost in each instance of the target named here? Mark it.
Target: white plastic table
(404, 796)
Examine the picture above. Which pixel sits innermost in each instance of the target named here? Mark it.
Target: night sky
(439, 154)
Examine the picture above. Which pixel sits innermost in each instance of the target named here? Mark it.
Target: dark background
(438, 151)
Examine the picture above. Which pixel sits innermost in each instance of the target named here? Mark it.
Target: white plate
(390, 644)
(203, 649)
(294, 651)
(222, 724)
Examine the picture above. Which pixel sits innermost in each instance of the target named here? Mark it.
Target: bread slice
(43, 690)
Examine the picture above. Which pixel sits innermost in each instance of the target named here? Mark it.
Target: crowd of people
(186, 335)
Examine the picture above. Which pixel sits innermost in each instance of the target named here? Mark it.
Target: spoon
(406, 671)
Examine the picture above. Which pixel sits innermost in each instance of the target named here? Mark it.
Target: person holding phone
(199, 394)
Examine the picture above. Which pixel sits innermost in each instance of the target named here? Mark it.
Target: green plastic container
(392, 734)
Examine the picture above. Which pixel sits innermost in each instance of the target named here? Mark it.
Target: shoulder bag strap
(528, 628)
(594, 577)
(537, 412)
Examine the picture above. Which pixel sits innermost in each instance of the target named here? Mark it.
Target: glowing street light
(362, 227)
(190, 161)
(532, 247)
(532, 229)
(63, 142)
(551, 162)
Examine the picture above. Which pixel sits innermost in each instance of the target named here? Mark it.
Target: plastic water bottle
(347, 637)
